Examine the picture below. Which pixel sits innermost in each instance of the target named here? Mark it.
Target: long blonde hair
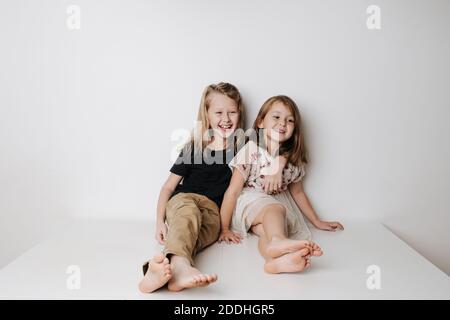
(198, 135)
(294, 148)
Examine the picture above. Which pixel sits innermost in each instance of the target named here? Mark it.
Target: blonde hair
(199, 135)
(294, 148)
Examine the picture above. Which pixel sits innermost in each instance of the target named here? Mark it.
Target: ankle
(179, 261)
(277, 238)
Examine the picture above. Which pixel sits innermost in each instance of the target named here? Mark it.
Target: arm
(273, 182)
(164, 195)
(303, 203)
(227, 208)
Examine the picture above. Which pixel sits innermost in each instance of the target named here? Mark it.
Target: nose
(226, 117)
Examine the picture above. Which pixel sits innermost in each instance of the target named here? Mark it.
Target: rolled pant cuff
(180, 254)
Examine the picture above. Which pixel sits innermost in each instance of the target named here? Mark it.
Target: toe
(198, 279)
(304, 252)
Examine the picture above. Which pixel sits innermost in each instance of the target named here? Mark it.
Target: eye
(219, 112)
(291, 120)
(276, 117)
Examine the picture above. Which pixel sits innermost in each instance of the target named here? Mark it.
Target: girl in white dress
(284, 237)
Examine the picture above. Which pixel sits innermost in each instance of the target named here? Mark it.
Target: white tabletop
(109, 255)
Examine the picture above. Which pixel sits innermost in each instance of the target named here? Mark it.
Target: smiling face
(223, 114)
(280, 118)
(279, 123)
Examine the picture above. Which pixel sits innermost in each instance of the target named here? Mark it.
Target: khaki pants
(193, 224)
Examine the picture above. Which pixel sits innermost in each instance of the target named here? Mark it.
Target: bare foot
(291, 262)
(308, 262)
(278, 247)
(157, 274)
(315, 249)
(185, 276)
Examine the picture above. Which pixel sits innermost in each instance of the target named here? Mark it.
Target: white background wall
(86, 116)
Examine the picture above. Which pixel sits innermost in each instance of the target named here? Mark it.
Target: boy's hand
(161, 232)
(229, 237)
(274, 180)
(328, 225)
(272, 184)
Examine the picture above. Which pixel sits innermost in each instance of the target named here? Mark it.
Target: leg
(185, 229)
(291, 262)
(262, 241)
(273, 221)
(156, 274)
(210, 224)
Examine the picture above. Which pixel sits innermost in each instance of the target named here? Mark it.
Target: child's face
(223, 115)
(278, 123)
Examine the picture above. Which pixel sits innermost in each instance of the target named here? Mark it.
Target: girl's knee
(270, 209)
(276, 209)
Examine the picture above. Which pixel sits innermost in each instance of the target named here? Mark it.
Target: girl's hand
(161, 232)
(328, 225)
(229, 236)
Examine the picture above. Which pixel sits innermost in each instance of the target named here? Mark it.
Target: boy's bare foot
(278, 247)
(291, 262)
(157, 274)
(185, 276)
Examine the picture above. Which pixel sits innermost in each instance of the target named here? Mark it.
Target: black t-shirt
(207, 174)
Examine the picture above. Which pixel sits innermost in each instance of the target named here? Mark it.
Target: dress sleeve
(300, 173)
(244, 159)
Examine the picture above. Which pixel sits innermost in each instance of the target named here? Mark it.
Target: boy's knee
(189, 219)
(183, 211)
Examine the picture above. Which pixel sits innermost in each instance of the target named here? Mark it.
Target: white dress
(254, 162)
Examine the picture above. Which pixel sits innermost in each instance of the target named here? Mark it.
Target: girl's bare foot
(278, 247)
(185, 276)
(315, 249)
(291, 262)
(157, 275)
(308, 263)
